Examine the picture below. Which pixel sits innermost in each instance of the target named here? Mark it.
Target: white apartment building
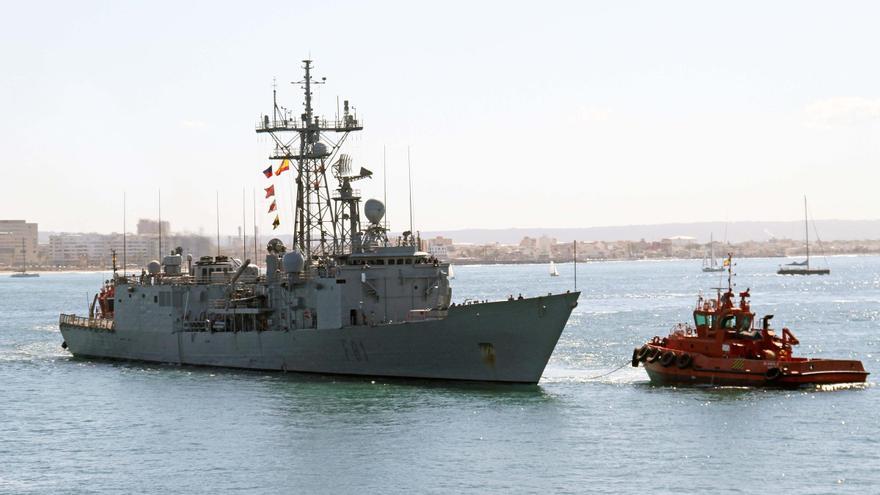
(12, 233)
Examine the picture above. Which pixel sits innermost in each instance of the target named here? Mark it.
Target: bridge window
(700, 319)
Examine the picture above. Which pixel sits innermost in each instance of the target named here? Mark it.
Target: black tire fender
(684, 361)
(635, 358)
(773, 374)
(667, 359)
(643, 352)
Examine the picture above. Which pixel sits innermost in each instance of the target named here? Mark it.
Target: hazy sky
(521, 114)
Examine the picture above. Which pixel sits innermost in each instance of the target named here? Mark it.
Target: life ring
(684, 361)
(667, 359)
(643, 353)
(773, 374)
(635, 358)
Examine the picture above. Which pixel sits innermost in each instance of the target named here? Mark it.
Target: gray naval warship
(342, 300)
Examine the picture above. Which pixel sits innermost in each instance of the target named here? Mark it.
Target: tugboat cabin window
(409, 261)
(745, 323)
(729, 322)
(704, 320)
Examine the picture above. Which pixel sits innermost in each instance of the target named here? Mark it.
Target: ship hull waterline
(507, 341)
(758, 373)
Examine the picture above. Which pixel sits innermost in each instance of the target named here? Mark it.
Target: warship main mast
(320, 230)
(342, 301)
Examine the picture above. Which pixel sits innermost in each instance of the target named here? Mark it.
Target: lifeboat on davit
(726, 347)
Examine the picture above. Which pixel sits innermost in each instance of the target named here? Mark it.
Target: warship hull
(506, 341)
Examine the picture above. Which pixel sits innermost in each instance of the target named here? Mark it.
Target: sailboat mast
(712, 249)
(807, 231)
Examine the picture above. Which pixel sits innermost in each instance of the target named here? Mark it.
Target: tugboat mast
(319, 230)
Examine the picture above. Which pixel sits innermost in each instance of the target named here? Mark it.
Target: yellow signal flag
(285, 165)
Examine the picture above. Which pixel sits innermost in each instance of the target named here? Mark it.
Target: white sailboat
(711, 264)
(803, 267)
(553, 271)
(24, 273)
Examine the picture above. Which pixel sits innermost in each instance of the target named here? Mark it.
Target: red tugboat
(727, 348)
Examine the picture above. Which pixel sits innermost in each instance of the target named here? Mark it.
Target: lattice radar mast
(325, 225)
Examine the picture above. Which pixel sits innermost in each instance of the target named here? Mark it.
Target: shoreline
(472, 262)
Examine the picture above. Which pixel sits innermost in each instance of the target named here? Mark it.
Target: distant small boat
(553, 271)
(803, 267)
(24, 273)
(711, 264)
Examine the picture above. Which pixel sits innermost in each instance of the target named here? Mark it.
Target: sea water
(80, 426)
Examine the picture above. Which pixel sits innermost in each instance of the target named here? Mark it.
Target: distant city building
(544, 244)
(440, 241)
(12, 232)
(439, 247)
(95, 250)
(528, 243)
(439, 252)
(147, 226)
(680, 241)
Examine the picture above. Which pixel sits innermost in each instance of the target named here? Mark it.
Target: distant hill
(735, 232)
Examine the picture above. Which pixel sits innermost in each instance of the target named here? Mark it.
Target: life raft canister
(684, 361)
(667, 359)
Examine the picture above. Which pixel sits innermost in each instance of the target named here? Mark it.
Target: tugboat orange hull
(699, 369)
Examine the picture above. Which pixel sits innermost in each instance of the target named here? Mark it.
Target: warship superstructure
(342, 300)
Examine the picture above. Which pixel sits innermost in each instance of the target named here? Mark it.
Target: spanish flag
(285, 164)
(270, 191)
(268, 172)
(276, 223)
(272, 207)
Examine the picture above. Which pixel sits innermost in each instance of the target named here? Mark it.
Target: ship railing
(195, 326)
(683, 329)
(81, 321)
(297, 124)
(354, 193)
